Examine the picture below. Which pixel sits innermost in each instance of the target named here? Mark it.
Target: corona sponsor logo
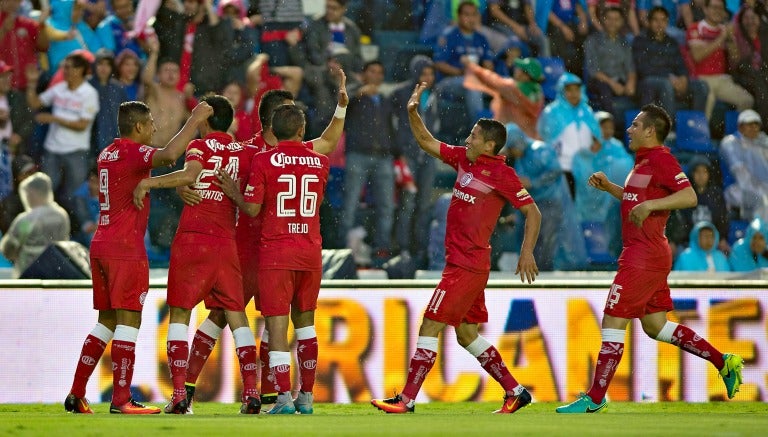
(109, 156)
(88, 361)
(281, 160)
(309, 364)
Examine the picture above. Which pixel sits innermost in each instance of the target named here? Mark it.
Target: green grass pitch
(432, 419)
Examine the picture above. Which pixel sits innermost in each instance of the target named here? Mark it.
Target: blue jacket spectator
(560, 245)
(598, 206)
(749, 253)
(111, 95)
(702, 254)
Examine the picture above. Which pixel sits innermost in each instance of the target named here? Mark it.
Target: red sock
(123, 356)
(93, 349)
(686, 339)
(178, 352)
(281, 371)
(491, 361)
(306, 350)
(247, 357)
(267, 378)
(607, 363)
(420, 365)
(202, 345)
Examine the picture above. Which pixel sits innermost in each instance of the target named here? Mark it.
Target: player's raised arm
(175, 148)
(186, 176)
(423, 137)
(330, 137)
(526, 265)
(231, 189)
(601, 182)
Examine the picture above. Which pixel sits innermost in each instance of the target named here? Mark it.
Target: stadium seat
(553, 68)
(736, 230)
(693, 132)
(731, 122)
(596, 241)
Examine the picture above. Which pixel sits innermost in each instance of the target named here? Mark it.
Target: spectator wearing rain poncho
(568, 123)
(702, 254)
(42, 222)
(595, 206)
(750, 253)
(560, 245)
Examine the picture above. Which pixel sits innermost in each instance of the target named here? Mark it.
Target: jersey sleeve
(671, 176)
(451, 154)
(142, 157)
(196, 151)
(255, 188)
(512, 189)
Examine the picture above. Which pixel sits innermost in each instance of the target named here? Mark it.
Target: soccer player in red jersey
(655, 186)
(204, 264)
(118, 257)
(288, 181)
(483, 186)
(248, 232)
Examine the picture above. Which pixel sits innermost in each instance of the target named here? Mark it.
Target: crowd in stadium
(566, 77)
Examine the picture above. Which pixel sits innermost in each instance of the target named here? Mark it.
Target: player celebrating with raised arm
(483, 185)
(248, 233)
(655, 186)
(288, 182)
(118, 258)
(204, 264)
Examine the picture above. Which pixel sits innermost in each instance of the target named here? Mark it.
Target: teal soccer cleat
(731, 373)
(583, 405)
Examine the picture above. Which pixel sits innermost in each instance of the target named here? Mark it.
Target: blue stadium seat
(553, 68)
(596, 241)
(731, 122)
(693, 132)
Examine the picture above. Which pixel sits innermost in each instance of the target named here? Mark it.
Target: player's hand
(201, 112)
(228, 185)
(639, 213)
(189, 196)
(343, 96)
(599, 180)
(527, 268)
(413, 102)
(139, 193)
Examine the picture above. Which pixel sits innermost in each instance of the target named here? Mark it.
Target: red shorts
(637, 292)
(204, 269)
(249, 265)
(459, 297)
(119, 284)
(282, 289)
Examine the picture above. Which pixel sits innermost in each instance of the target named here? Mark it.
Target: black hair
(287, 120)
(130, 113)
(269, 102)
(659, 118)
(493, 130)
(79, 61)
(223, 113)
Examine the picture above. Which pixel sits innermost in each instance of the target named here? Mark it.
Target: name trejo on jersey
(464, 196)
(298, 228)
(281, 160)
(632, 197)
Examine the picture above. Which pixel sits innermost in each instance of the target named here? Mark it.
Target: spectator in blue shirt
(679, 12)
(568, 27)
(702, 254)
(111, 95)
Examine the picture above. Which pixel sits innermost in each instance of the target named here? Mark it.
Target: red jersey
(717, 61)
(249, 228)
(289, 182)
(215, 214)
(481, 190)
(656, 174)
(120, 233)
(18, 48)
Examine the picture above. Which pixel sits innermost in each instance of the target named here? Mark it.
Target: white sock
(210, 329)
(178, 332)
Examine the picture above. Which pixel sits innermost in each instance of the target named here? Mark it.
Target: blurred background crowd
(566, 76)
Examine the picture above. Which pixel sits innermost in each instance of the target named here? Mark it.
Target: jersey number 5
(307, 197)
